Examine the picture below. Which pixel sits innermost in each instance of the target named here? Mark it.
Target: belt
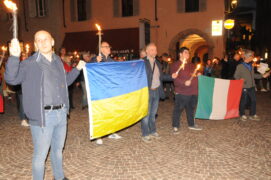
(154, 89)
(54, 107)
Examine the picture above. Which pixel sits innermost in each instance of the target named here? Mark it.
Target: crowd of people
(45, 85)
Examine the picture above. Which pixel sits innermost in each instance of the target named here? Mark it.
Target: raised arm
(15, 71)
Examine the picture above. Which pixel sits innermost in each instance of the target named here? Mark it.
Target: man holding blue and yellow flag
(117, 94)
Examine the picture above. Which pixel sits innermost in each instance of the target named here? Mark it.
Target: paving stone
(228, 149)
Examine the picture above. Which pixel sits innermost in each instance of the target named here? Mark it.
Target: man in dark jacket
(156, 91)
(45, 99)
(105, 53)
(105, 57)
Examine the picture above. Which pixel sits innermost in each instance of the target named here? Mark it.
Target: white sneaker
(176, 130)
(254, 118)
(24, 123)
(146, 139)
(114, 136)
(99, 141)
(195, 127)
(243, 118)
(263, 90)
(155, 135)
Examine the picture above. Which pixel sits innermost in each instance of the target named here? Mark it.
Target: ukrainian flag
(117, 95)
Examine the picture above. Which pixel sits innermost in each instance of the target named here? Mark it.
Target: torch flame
(10, 5)
(254, 59)
(4, 48)
(198, 66)
(98, 27)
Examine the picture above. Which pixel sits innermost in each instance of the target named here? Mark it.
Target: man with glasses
(245, 71)
(105, 52)
(105, 57)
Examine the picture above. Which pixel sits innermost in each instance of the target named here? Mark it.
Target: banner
(218, 98)
(117, 95)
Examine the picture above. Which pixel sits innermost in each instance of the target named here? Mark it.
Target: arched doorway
(197, 41)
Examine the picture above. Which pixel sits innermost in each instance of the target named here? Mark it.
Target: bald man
(155, 77)
(45, 99)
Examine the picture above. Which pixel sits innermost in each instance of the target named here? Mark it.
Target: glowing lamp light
(13, 7)
(10, 5)
(4, 48)
(217, 28)
(234, 3)
(198, 67)
(100, 37)
(98, 27)
(27, 47)
(229, 24)
(266, 55)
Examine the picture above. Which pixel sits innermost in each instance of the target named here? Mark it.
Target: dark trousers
(187, 102)
(19, 97)
(70, 90)
(248, 96)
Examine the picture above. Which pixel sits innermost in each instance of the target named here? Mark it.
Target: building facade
(127, 25)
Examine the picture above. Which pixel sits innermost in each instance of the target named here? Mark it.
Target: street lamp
(234, 4)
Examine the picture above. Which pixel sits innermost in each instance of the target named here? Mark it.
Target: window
(127, 8)
(147, 32)
(41, 8)
(191, 5)
(81, 10)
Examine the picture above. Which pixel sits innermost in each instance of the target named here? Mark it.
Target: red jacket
(67, 67)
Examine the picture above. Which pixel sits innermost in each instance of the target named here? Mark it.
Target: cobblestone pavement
(228, 149)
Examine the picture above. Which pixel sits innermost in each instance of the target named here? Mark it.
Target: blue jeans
(148, 122)
(52, 135)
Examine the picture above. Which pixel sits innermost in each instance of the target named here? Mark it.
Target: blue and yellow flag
(117, 95)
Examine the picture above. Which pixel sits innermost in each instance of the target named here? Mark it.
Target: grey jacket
(163, 77)
(242, 72)
(29, 74)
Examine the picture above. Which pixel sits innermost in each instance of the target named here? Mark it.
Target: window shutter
(135, 7)
(180, 6)
(88, 8)
(32, 8)
(73, 6)
(202, 5)
(116, 8)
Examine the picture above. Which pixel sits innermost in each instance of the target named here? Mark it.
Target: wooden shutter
(180, 6)
(135, 7)
(89, 8)
(116, 8)
(32, 7)
(202, 5)
(73, 5)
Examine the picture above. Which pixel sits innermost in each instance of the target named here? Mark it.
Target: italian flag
(218, 98)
